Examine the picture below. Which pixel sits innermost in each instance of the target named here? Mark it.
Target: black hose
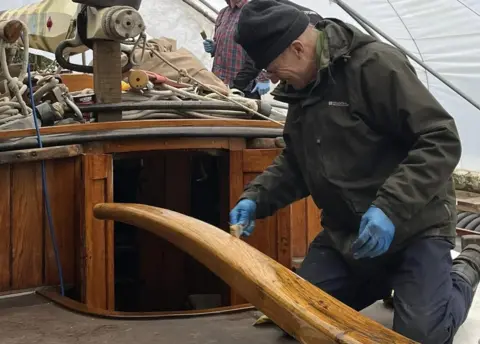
(159, 132)
(76, 67)
(68, 65)
(162, 105)
(468, 220)
(474, 224)
(461, 216)
(470, 217)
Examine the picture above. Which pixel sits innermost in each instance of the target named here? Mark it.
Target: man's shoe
(467, 265)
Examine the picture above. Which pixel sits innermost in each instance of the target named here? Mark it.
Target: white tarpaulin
(445, 34)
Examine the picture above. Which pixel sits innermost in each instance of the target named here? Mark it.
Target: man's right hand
(209, 46)
(244, 214)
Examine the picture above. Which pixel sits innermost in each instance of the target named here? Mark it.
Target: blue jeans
(430, 302)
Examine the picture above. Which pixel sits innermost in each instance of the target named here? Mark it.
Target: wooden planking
(165, 144)
(78, 229)
(284, 236)
(304, 217)
(257, 160)
(298, 225)
(38, 154)
(61, 190)
(151, 190)
(27, 230)
(236, 189)
(177, 198)
(167, 182)
(265, 236)
(5, 229)
(98, 283)
(313, 220)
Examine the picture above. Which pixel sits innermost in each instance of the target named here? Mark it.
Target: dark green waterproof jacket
(366, 132)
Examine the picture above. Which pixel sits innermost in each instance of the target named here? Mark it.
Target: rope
(15, 85)
(184, 73)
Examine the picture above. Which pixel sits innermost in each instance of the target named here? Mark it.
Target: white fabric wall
(445, 34)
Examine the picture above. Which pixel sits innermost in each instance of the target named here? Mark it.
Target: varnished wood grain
(37, 154)
(298, 223)
(151, 190)
(284, 237)
(165, 144)
(61, 191)
(177, 198)
(5, 229)
(78, 128)
(236, 184)
(98, 284)
(257, 160)
(27, 229)
(313, 220)
(302, 310)
(265, 236)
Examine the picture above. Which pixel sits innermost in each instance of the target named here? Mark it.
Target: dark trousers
(430, 302)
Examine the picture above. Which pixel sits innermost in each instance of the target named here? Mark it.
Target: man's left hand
(375, 235)
(262, 87)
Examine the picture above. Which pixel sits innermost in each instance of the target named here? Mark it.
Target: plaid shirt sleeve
(229, 56)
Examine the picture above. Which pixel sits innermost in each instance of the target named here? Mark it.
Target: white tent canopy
(444, 34)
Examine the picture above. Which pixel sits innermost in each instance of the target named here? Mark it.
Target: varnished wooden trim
(131, 145)
(77, 128)
(36, 154)
(297, 306)
(257, 160)
(52, 294)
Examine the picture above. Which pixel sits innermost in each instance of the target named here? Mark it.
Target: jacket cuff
(383, 204)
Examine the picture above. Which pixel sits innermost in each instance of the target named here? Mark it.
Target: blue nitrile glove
(244, 214)
(209, 46)
(375, 234)
(262, 87)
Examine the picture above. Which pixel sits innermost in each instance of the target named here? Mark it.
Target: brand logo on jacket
(338, 104)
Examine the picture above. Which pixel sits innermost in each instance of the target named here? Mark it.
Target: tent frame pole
(360, 19)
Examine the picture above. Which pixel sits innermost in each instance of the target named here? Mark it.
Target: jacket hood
(342, 39)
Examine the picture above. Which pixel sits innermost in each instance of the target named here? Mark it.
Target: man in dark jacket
(245, 79)
(376, 152)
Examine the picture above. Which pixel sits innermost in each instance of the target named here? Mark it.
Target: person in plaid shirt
(229, 57)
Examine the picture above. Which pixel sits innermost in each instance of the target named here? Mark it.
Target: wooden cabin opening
(150, 273)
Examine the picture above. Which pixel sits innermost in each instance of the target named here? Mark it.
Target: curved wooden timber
(299, 308)
(52, 294)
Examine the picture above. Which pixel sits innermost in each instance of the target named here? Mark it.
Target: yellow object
(263, 320)
(125, 86)
(138, 79)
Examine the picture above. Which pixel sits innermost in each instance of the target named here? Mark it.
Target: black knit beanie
(266, 28)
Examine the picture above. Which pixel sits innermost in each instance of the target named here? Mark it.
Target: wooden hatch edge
(52, 294)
